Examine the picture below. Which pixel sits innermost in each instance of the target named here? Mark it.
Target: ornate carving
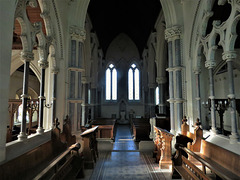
(77, 33)
(210, 64)
(173, 33)
(229, 55)
(27, 56)
(43, 63)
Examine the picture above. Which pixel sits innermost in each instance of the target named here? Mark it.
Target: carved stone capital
(173, 33)
(27, 56)
(77, 33)
(210, 64)
(161, 80)
(43, 63)
(229, 55)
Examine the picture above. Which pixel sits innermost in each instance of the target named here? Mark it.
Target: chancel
(119, 89)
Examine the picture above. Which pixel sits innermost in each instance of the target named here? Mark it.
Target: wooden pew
(106, 127)
(64, 166)
(90, 151)
(223, 164)
(141, 128)
(190, 140)
(165, 139)
(66, 136)
(33, 160)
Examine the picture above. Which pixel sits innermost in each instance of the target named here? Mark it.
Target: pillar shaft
(40, 129)
(212, 98)
(54, 94)
(23, 135)
(198, 95)
(171, 86)
(85, 104)
(229, 56)
(178, 76)
(232, 98)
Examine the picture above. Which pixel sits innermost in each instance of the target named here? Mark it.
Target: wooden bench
(190, 140)
(106, 127)
(35, 159)
(63, 166)
(140, 128)
(164, 148)
(222, 163)
(90, 150)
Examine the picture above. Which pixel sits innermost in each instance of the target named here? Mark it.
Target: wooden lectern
(90, 151)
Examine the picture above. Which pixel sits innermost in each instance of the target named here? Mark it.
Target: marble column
(26, 57)
(161, 86)
(85, 103)
(173, 35)
(229, 57)
(43, 65)
(171, 87)
(210, 64)
(54, 94)
(198, 96)
(178, 79)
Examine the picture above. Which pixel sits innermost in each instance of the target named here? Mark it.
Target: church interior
(123, 89)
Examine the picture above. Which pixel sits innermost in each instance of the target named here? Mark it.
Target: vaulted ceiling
(136, 18)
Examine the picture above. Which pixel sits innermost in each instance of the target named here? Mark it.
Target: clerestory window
(133, 83)
(111, 83)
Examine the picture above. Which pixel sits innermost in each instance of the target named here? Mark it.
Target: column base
(40, 130)
(22, 136)
(234, 138)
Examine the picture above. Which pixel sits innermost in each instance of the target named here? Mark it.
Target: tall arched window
(111, 83)
(133, 83)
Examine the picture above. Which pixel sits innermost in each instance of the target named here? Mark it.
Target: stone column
(54, 94)
(171, 87)
(161, 86)
(198, 96)
(178, 80)
(26, 57)
(210, 64)
(85, 103)
(43, 65)
(173, 36)
(229, 57)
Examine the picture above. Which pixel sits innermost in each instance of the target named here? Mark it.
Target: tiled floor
(124, 161)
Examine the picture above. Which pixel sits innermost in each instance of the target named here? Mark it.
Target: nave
(124, 160)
